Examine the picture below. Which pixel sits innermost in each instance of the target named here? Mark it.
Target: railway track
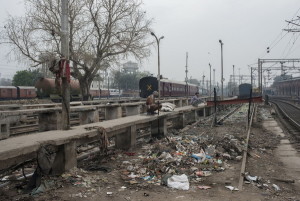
(289, 116)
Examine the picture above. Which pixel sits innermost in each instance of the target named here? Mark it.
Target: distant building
(130, 67)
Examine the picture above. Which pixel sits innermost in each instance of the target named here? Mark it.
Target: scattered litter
(99, 168)
(276, 187)
(232, 188)
(239, 158)
(45, 186)
(76, 195)
(204, 187)
(129, 153)
(203, 173)
(251, 178)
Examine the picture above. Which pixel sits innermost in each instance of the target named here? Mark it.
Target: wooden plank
(243, 167)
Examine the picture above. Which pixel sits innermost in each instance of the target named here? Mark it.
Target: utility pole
(99, 85)
(158, 76)
(222, 78)
(239, 76)
(207, 87)
(186, 74)
(214, 82)
(294, 23)
(203, 83)
(252, 77)
(65, 54)
(282, 69)
(233, 81)
(209, 79)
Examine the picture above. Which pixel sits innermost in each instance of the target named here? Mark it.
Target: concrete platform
(19, 149)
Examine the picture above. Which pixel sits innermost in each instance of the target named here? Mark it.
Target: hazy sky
(246, 27)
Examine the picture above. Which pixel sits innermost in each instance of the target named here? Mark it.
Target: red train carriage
(168, 88)
(12, 92)
(8, 92)
(26, 92)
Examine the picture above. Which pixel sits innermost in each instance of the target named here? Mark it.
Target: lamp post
(157, 41)
(221, 43)
(209, 80)
(214, 79)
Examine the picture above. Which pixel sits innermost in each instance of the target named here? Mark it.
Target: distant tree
(128, 81)
(5, 82)
(25, 78)
(102, 32)
(194, 81)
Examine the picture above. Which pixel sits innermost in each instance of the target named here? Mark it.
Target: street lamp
(157, 41)
(220, 41)
(214, 81)
(209, 80)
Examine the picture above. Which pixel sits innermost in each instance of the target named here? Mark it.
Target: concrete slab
(17, 149)
(285, 152)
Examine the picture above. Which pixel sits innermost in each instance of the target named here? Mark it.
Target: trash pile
(179, 161)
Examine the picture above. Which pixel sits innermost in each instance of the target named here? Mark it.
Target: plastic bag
(180, 182)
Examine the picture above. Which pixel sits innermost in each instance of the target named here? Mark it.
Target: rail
(289, 110)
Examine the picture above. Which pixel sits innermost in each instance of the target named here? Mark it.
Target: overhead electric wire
(276, 40)
(290, 50)
(287, 45)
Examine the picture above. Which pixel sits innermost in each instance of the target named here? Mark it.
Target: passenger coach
(168, 88)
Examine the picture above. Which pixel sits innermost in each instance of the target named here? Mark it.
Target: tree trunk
(85, 89)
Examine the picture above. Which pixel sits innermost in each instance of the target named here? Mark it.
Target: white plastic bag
(167, 107)
(180, 182)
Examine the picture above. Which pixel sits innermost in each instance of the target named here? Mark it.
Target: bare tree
(101, 33)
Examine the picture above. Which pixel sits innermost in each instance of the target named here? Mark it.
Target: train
(244, 91)
(45, 89)
(17, 92)
(168, 88)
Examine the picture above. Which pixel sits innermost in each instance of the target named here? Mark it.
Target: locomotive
(244, 91)
(168, 88)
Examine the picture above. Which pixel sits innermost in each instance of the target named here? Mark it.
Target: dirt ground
(141, 174)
